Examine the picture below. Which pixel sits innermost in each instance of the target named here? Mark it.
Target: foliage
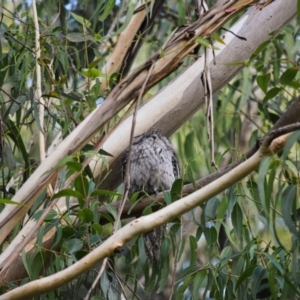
(242, 244)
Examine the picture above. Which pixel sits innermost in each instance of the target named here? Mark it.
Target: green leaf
(17, 104)
(274, 262)
(222, 208)
(97, 37)
(133, 199)
(271, 93)
(188, 145)
(211, 235)
(67, 193)
(51, 94)
(85, 215)
(263, 169)
(269, 188)
(257, 276)
(105, 153)
(263, 81)
(197, 283)
(226, 254)
(82, 185)
(290, 284)
(17, 138)
(91, 73)
(259, 49)
(111, 210)
(81, 20)
(181, 249)
(246, 274)
(77, 37)
(193, 249)
(288, 75)
(74, 166)
(231, 198)
(199, 233)
(63, 162)
(167, 197)
(8, 156)
(96, 62)
(203, 42)
(51, 215)
(7, 201)
(151, 284)
(176, 189)
(165, 269)
(74, 245)
(294, 84)
(189, 271)
(216, 37)
(235, 63)
(211, 208)
(97, 227)
(237, 221)
(72, 95)
(39, 260)
(109, 5)
(25, 261)
(259, 66)
(287, 204)
(290, 143)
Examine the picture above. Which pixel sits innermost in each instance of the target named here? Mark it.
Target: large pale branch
(39, 97)
(129, 41)
(166, 111)
(148, 223)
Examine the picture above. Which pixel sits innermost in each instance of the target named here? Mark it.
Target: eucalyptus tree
(79, 80)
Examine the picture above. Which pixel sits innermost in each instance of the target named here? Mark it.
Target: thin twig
(121, 281)
(11, 36)
(10, 96)
(87, 297)
(252, 121)
(209, 107)
(39, 81)
(238, 36)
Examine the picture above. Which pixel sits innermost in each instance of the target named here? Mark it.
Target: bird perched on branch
(154, 167)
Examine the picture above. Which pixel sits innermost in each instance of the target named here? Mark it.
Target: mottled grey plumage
(154, 167)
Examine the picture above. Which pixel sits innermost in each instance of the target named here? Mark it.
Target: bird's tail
(152, 241)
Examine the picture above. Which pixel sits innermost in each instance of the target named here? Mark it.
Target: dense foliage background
(242, 244)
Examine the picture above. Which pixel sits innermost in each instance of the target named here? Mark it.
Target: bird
(154, 166)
